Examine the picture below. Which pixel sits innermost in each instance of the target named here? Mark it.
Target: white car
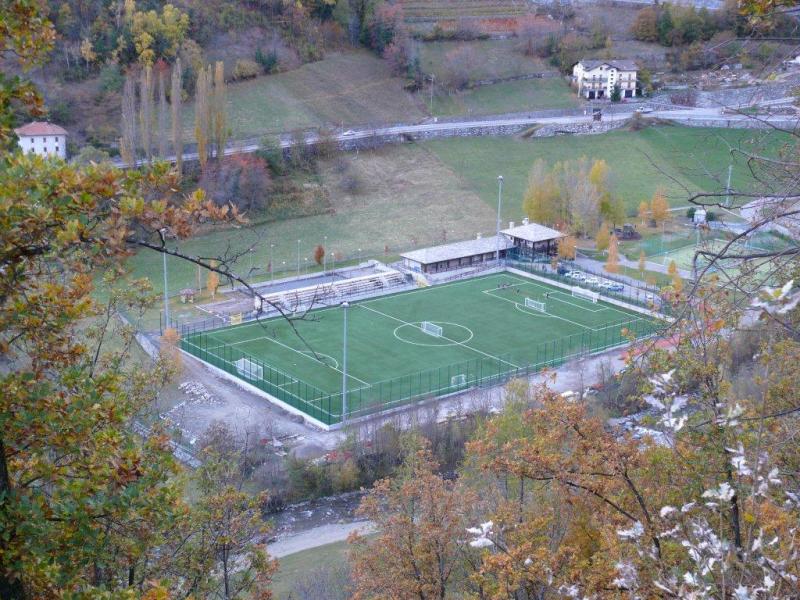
(593, 281)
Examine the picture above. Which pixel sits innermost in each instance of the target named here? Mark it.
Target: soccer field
(488, 335)
(684, 256)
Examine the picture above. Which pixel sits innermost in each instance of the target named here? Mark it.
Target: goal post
(578, 292)
(431, 329)
(535, 305)
(457, 380)
(249, 369)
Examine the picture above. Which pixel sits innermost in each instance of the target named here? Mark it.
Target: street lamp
(325, 256)
(345, 306)
(163, 232)
(433, 80)
(271, 264)
(305, 265)
(499, 208)
(298, 257)
(359, 256)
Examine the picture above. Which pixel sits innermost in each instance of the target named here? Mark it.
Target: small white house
(596, 79)
(699, 216)
(44, 139)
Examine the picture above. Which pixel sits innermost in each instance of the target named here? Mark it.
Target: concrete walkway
(319, 536)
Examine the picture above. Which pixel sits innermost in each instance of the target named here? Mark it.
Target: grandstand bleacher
(330, 293)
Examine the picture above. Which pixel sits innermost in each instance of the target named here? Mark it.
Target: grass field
(684, 255)
(354, 87)
(493, 59)
(682, 160)
(507, 97)
(302, 565)
(488, 334)
(453, 183)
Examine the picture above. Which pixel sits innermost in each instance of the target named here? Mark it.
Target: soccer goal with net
(457, 380)
(535, 305)
(249, 370)
(578, 292)
(431, 329)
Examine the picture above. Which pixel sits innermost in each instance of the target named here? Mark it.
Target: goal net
(585, 294)
(458, 380)
(248, 369)
(535, 305)
(431, 329)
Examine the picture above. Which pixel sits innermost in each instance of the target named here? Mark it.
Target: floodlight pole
(345, 306)
(163, 233)
(728, 188)
(271, 264)
(499, 208)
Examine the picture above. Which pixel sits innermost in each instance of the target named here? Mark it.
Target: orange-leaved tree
(86, 505)
(421, 520)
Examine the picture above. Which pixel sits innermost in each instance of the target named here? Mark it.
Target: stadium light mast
(163, 232)
(345, 306)
(499, 208)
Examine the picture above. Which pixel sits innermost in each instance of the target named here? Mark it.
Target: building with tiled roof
(596, 79)
(42, 138)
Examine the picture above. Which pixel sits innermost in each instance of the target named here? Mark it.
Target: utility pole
(271, 264)
(163, 233)
(345, 306)
(728, 188)
(433, 79)
(499, 208)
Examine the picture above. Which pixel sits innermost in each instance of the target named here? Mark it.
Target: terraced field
(455, 9)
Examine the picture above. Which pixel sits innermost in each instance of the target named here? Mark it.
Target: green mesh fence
(327, 407)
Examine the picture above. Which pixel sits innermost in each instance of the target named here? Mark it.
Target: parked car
(616, 287)
(563, 270)
(593, 280)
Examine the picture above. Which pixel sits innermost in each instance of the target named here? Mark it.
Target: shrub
(241, 179)
(272, 153)
(245, 69)
(690, 212)
(62, 111)
(111, 78)
(267, 60)
(90, 154)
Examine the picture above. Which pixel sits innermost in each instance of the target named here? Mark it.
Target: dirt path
(318, 536)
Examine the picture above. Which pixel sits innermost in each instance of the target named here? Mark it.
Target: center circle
(453, 334)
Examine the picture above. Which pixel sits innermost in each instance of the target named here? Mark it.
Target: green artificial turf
(488, 335)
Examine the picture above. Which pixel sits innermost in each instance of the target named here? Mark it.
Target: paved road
(479, 125)
(319, 536)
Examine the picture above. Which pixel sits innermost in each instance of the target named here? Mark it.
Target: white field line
(562, 293)
(295, 396)
(552, 296)
(444, 338)
(308, 356)
(585, 327)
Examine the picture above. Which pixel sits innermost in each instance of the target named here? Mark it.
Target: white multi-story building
(596, 79)
(44, 139)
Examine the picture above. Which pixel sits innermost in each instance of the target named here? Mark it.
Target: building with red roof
(42, 138)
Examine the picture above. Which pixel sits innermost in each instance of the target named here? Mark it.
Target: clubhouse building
(526, 240)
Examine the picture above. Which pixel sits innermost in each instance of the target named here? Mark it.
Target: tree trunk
(10, 589)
